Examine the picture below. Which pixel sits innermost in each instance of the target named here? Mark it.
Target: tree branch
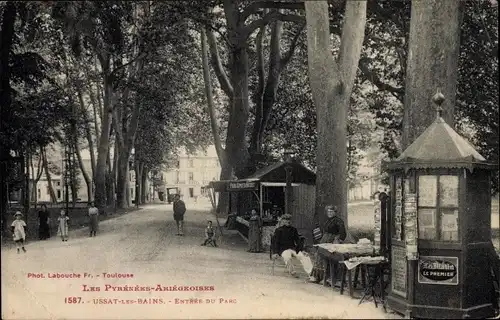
(268, 18)
(210, 101)
(254, 7)
(373, 78)
(217, 64)
(293, 46)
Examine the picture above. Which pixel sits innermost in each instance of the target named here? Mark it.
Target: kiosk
(441, 227)
(264, 191)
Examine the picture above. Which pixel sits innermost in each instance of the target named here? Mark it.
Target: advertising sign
(438, 270)
(242, 186)
(399, 271)
(410, 212)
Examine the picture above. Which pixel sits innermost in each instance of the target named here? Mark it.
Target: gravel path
(229, 282)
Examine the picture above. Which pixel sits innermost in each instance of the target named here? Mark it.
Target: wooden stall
(264, 191)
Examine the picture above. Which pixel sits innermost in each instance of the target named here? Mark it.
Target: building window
(191, 163)
(191, 176)
(47, 190)
(191, 192)
(39, 194)
(58, 194)
(438, 207)
(58, 183)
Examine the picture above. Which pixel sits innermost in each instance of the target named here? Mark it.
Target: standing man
(179, 210)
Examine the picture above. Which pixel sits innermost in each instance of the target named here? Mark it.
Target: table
(379, 264)
(335, 254)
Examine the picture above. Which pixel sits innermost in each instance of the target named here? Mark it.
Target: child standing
(63, 226)
(18, 231)
(209, 235)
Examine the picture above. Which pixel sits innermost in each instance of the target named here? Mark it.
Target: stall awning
(277, 173)
(271, 176)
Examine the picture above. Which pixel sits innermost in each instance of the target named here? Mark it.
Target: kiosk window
(438, 207)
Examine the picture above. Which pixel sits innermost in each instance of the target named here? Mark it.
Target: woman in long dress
(254, 233)
(333, 232)
(43, 225)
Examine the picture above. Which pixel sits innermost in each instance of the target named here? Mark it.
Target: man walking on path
(179, 210)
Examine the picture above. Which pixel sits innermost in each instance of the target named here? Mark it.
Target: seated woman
(334, 231)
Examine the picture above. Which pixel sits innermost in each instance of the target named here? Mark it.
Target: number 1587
(73, 300)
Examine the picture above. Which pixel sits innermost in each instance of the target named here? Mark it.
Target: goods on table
(355, 249)
(367, 259)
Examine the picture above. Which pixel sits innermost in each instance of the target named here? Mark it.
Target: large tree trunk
(86, 177)
(88, 134)
(144, 183)
(45, 165)
(111, 176)
(7, 34)
(73, 175)
(432, 63)
(36, 178)
(331, 85)
(221, 153)
(122, 181)
(237, 153)
(102, 152)
(223, 204)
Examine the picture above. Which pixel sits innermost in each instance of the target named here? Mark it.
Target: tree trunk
(237, 153)
(331, 85)
(36, 178)
(102, 152)
(122, 181)
(111, 176)
(210, 100)
(88, 134)
(432, 63)
(223, 205)
(86, 177)
(72, 172)
(138, 183)
(48, 177)
(26, 193)
(7, 35)
(144, 183)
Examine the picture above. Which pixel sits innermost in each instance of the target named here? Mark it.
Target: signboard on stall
(438, 270)
(410, 213)
(242, 186)
(399, 271)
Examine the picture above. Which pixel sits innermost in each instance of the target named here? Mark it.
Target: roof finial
(438, 99)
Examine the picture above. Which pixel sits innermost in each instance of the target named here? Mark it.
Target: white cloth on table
(358, 249)
(287, 256)
(354, 262)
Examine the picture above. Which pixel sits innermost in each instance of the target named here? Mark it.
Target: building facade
(193, 172)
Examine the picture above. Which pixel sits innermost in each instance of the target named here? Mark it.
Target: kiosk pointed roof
(440, 146)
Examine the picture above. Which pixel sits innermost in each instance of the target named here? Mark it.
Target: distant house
(193, 172)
